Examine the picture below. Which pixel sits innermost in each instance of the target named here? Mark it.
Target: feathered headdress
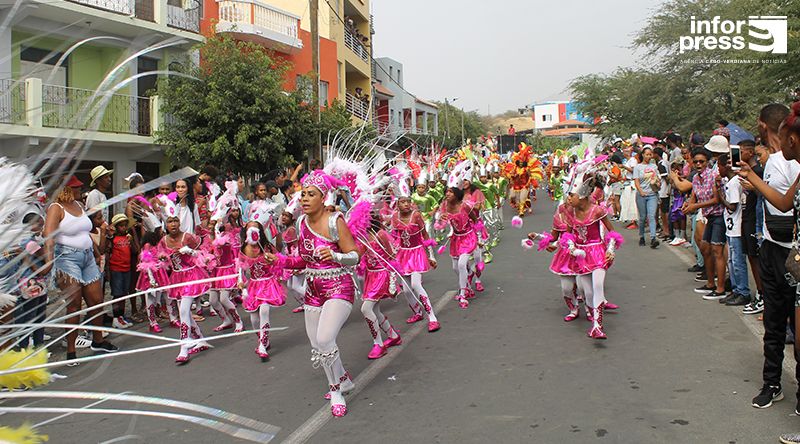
(14, 201)
(168, 207)
(461, 172)
(226, 202)
(262, 211)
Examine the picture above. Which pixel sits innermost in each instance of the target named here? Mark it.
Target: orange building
(279, 31)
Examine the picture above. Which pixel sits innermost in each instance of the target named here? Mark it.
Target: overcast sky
(504, 53)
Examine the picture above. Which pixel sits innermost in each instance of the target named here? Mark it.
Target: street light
(446, 125)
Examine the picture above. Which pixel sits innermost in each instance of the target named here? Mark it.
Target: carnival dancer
(524, 171)
(380, 282)
(181, 248)
(327, 252)
(152, 268)
(415, 257)
(475, 200)
(489, 213)
(259, 279)
(501, 183)
(425, 202)
(463, 239)
(227, 226)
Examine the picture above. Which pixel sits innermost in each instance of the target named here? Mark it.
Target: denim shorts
(77, 265)
(120, 283)
(715, 230)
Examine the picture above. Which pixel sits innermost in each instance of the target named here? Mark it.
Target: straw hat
(98, 172)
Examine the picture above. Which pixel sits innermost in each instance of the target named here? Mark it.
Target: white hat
(718, 144)
(98, 172)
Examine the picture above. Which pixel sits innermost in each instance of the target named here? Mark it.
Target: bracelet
(347, 259)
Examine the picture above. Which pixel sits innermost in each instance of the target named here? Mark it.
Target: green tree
(543, 144)
(450, 127)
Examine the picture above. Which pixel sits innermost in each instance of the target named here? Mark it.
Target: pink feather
(565, 239)
(148, 261)
(173, 196)
(545, 241)
(618, 239)
(516, 222)
(359, 218)
(441, 249)
(143, 201)
(222, 239)
(429, 243)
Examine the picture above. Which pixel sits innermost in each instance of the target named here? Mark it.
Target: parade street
(675, 368)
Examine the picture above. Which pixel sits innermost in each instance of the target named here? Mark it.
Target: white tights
(151, 300)
(377, 322)
(189, 328)
(592, 286)
(221, 302)
(260, 321)
(568, 291)
(461, 267)
(418, 291)
(297, 285)
(322, 327)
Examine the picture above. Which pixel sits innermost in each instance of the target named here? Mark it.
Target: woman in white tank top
(69, 250)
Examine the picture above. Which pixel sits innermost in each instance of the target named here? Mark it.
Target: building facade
(395, 108)
(50, 78)
(548, 114)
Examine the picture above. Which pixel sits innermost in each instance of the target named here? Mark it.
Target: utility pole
(446, 126)
(462, 126)
(315, 152)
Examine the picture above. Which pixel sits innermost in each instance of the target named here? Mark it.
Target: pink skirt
(191, 289)
(160, 275)
(264, 291)
(225, 284)
(463, 243)
(380, 284)
(412, 260)
(595, 258)
(563, 263)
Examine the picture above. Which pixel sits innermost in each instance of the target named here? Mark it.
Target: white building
(396, 109)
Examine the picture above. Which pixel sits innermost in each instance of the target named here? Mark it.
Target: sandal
(197, 317)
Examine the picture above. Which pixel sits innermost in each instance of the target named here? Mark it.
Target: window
(339, 80)
(547, 117)
(391, 71)
(323, 93)
(38, 63)
(303, 86)
(399, 79)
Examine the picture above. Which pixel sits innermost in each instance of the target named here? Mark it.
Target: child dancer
(152, 268)
(463, 240)
(226, 245)
(181, 248)
(380, 282)
(296, 282)
(259, 281)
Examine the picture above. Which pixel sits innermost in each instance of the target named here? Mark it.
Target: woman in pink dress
(474, 199)
(260, 282)
(463, 240)
(181, 248)
(327, 253)
(414, 258)
(380, 282)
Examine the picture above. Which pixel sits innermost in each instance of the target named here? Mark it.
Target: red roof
(380, 89)
(571, 122)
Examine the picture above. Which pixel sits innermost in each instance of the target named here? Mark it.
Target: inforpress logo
(757, 33)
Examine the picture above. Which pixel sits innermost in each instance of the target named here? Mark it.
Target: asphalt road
(675, 368)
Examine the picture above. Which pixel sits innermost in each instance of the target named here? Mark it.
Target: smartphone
(736, 157)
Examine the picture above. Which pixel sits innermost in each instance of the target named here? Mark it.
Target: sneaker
(738, 299)
(641, 242)
(790, 438)
(727, 298)
(769, 393)
(119, 322)
(654, 243)
(205, 304)
(695, 269)
(755, 307)
(677, 241)
(105, 347)
(71, 356)
(714, 295)
(82, 342)
(701, 277)
(703, 290)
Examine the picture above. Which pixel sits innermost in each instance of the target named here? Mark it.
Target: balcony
(185, 15)
(119, 6)
(12, 101)
(356, 46)
(259, 22)
(64, 107)
(357, 107)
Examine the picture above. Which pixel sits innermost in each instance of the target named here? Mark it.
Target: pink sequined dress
(464, 239)
(380, 281)
(226, 250)
(588, 237)
(563, 262)
(412, 255)
(151, 264)
(325, 280)
(184, 270)
(262, 282)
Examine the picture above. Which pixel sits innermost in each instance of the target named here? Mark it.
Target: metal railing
(356, 46)
(65, 107)
(356, 106)
(12, 101)
(118, 6)
(260, 15)
(186, 17)
(145, 10)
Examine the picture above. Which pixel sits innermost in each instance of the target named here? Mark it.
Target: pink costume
(151, 263)
(380, 281)
(263, 283)
(563, 262)
(412, 256)
(464, 240)
(325, 280)
(589, 239)
(184, 270)
(226, 248)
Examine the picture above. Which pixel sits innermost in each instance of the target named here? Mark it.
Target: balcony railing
(356, 106)
(64, 107)
(263, 16)
(186, 16)
(12, 101)
(118, 6)
(352, 42)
